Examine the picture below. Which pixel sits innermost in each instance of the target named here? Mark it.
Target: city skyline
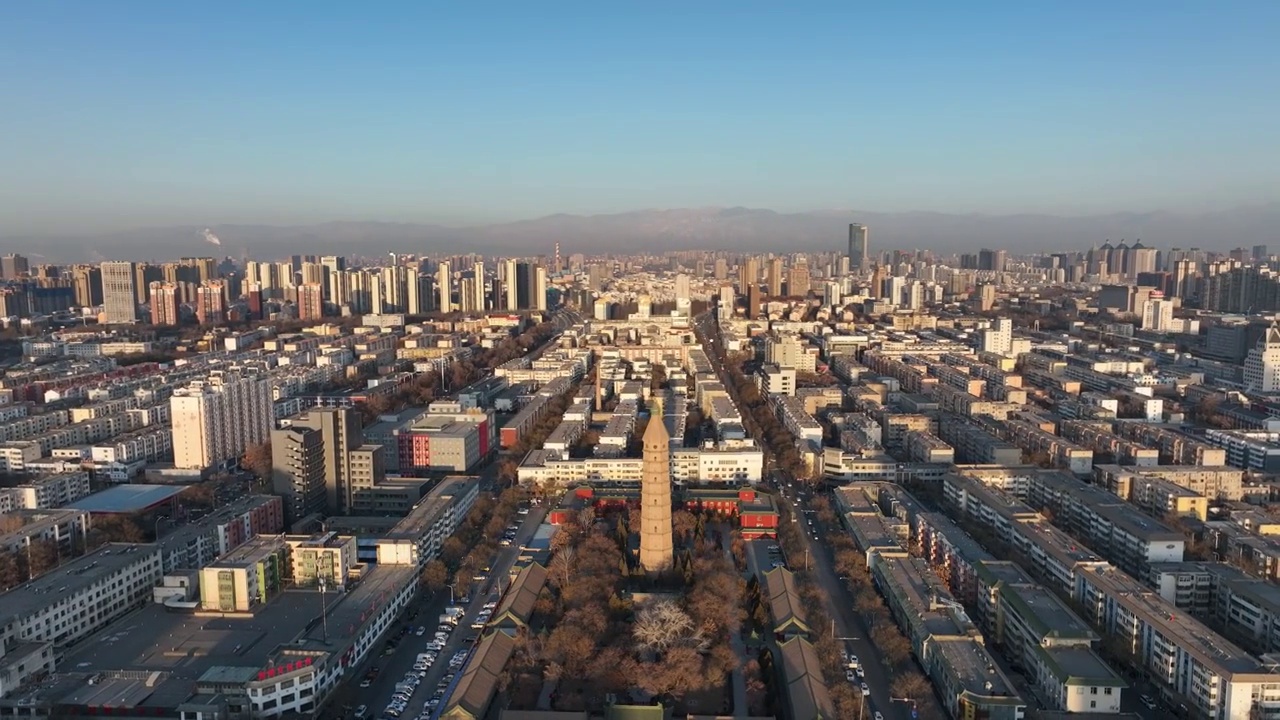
(460, 116)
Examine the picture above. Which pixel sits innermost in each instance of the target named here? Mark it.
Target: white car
(877, 716)
(848, 675)
(866, 691)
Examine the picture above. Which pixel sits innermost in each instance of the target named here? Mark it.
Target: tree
(910, 684)
(257, 460)
(661, 625)
(12, 573)
(435, 575)
(44, 556)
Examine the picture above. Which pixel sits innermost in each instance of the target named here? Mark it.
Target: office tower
(722, 269)
(993, 260)
(339, 430)
(1262, 366)
(211, 303)
(119, 297)
(295, 263)
(444, 286)
(798, 279)
(164, 303)
(298, 471)
(1260, 253)
(13, 266)
(540, 288)
(656, 552)
(999, 337)
(310, 301)
(749, 274)
(217, 419)
(859, 246)
(775, 277)
(87, 283)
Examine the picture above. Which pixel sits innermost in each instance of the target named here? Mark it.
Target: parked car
(866, 691)
(848, 675)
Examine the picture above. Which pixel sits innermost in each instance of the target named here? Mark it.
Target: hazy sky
(115, 114)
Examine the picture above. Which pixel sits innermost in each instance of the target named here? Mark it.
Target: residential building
(215, 420)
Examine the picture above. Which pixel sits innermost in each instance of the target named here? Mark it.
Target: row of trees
(473, 546)
(894, 648)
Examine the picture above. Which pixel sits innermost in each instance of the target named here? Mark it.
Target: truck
(452, 615)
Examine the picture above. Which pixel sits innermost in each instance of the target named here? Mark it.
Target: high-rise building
(993, 260)
(13, 266)
(775, 277)
(87, 282)
(727, 301)
(985, 297)
(722, 269)
(478, 299)
(540, 288)
(217, 419)
(444, 286)
(1262, 365)
(1142, 259)
(339, 429)
(119, 296)
(999, 337)
(509, 273)
(164, 303)
(310, 301)
(1260, 252)
(1157, 314)
(656, 546)
(859, 246)
(298, 471)
(749, 274)
(682, 289)
(753, 301)
(211, 303)
(798, 279)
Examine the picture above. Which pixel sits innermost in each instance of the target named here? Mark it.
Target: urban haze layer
(856, 483)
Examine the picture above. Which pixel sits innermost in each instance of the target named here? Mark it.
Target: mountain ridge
(662, 229)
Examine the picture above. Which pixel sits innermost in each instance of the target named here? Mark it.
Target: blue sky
(120, 114)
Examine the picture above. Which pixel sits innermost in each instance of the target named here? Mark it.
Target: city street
(393, 667)
(847, 627)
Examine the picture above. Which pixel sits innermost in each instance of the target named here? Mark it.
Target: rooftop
(973, 666)
(1210, 648)
(127, 498)
(80, 573)
(1081, 666)
(1048, 615)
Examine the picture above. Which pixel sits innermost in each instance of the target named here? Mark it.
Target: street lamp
(907, 701)
(451, 595)
(156, 531)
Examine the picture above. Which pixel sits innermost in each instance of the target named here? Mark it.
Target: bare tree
(910, 684)
(661, 625)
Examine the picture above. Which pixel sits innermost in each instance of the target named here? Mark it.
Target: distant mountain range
(696, 228)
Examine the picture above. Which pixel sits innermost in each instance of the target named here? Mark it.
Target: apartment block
(217, 419)
(246, 577)
(973, 444)
(417, 539)
(926, 447)
(1213, 482)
